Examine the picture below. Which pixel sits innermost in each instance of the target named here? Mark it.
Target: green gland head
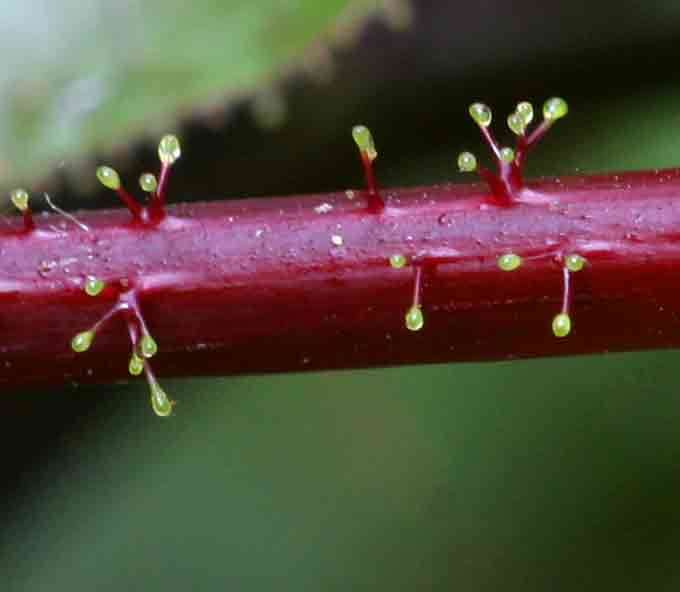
(147, 346)
(169, 149)
(397, 261)
(414, 319)
(94, 286)
(526, 111)
(108, 177)
(148, 182)
(481, 114)
(561, 325)
(161, 405)
(467, 162)
(554, 109)
(516, 124)
(507, 155)
(509, 262)
(364, 140)
(19, 198)
(82, 341)
(136, 365)
(574, 262)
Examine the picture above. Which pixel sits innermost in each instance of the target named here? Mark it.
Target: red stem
(276, 285)
(29, 223)
(158, 200)
(540, 131)
(490, 140)
(566, 289)
(417, 285)
(375, 202)
(130, 203)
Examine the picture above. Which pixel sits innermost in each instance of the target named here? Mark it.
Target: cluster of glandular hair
(506, 185)
(123, 292)
(509, 186)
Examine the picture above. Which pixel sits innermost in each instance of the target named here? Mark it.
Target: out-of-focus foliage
(551, 474)
(84, 74)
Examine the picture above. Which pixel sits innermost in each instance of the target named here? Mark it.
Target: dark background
(548, 474)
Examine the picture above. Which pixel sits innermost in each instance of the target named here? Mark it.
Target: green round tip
(414, 319)
(561, 325)
(94, 286)
(555, 108)
(526, 111)
(136, 365)
(148, 347)
(19, 198)
(161, 405)
(398, 261)
(467, 162)
(574, 262)
(148, 182)
(108, 177)
(481, 114)
(169, 149)
(364, 140)
(82, 341)
(516, 124)
(507, 155)
(509, 262)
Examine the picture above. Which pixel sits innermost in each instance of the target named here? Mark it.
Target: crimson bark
(305, 283)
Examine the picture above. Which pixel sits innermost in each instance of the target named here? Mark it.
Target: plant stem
(305, 283)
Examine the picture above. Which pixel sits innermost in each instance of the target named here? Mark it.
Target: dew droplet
(364, 141)
(148, 182)
(516, 124)
(136, 365)
(94, 286)
(481, 114)
(526, 111)
(414, 318)
(108, 177)
(82, 341)
(19, 198)
(169, 149)
(160, 403)
(467, 162)
(509, 262)
(397, 261)
(147, 346)
(507, 155)
(561, 325)
(555, 108)
(574, 262)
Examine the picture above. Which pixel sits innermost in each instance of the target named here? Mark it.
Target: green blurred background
(554, 474)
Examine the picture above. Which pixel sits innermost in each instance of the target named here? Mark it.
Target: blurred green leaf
(535, 475)
(85, 75)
